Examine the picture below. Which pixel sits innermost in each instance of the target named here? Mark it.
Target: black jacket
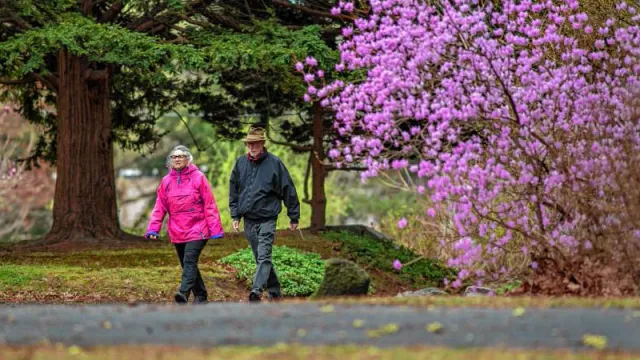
(257, 188)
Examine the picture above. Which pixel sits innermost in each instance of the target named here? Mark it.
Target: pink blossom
(402, 223)
(397, 264)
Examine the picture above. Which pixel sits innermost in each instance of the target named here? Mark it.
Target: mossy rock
(343, 278)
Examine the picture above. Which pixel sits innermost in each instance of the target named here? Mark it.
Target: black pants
(189, 253)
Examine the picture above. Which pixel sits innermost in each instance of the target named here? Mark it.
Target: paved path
(312, 323)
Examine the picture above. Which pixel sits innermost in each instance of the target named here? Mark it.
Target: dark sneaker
(254, 297)
(275, 297)
(181, 298)
(200, 300)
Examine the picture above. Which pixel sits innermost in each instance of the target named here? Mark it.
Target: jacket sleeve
(234, 192)
(211, 212)
(158, 213)
(288, 194)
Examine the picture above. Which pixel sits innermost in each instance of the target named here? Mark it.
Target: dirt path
(267, 324)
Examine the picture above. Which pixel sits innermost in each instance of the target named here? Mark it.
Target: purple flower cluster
(516, 119)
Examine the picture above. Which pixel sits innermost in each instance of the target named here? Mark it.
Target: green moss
(17, 275)
(379, 254)
(342, 278)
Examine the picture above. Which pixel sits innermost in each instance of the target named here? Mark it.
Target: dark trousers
(261, 236)
(189, 253)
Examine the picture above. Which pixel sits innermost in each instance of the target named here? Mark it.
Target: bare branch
(112, 13)
(95, 75)
(312, 12)
(50, 80)
(296, 147)
(26, 80)
(344, 168)
(195, 142)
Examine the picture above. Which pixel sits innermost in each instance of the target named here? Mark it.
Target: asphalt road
(314, 324)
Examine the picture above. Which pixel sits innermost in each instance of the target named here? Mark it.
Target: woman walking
(185, 194)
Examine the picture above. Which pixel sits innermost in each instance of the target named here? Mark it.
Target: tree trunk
(318, 173)
(85, 198)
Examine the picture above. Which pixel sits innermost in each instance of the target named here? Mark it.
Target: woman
(194, 218)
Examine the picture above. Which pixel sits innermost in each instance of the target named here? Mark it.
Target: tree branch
(189, 130)
(347, 168)
(95, 75)
(312, 12)
(112, 13)
(296, 147)
(50, 80)
(25, 80)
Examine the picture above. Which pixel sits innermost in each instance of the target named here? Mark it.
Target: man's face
(179, 160)
(255, 147)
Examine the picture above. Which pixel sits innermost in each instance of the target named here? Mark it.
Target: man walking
(259, 184)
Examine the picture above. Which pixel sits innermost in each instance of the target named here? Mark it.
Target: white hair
(182, 148)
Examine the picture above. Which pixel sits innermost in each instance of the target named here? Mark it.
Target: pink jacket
(193, 214)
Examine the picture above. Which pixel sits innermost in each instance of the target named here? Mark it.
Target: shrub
(300, 273)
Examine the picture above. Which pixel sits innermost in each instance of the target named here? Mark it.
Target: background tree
(255, 59)
(106, 69)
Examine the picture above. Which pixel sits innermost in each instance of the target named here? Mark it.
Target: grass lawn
(291, 352)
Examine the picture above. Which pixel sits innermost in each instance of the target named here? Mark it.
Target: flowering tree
(519, 117)
(21, 191)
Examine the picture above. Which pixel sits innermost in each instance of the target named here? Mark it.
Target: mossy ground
(150, 272)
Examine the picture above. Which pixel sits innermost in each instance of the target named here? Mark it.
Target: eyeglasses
(173, 157)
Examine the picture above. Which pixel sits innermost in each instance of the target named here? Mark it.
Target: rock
(479, 291)
(430, 291)
(343, 278)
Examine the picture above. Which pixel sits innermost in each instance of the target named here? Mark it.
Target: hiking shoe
(254, 297)
(181, 298)
(200, 300)
(275, 297)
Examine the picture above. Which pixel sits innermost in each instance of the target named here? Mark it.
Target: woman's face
(179, 160)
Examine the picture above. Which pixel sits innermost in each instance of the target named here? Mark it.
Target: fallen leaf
(301, 333)
(519, 311)
(384, 330)
(106, 324)
(595, 341)
(435, 327)
(74, 350)
(358, 323)
(328, 309)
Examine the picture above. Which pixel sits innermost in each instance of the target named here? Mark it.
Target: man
(259, 184)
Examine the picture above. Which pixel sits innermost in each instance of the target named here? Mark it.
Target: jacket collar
(190, 169)
(259, 158)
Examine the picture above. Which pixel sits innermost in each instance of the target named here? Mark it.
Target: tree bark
(318, 173)
(85, 197)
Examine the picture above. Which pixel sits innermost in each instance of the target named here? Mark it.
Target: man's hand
(153, 237)
(236, 225)
(293, 227)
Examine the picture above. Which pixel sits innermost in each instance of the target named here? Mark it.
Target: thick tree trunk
(318, 172)
(85, 198)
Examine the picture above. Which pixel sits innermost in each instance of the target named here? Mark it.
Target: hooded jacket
(193, 215)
